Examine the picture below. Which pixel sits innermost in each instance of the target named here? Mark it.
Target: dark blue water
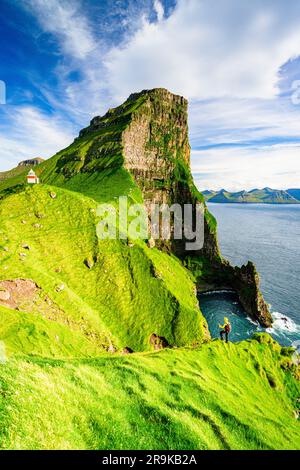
(269, 235)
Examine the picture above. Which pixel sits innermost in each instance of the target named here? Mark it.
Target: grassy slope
(216, 397)
(14, 173)
(30, 333)
(130, 292)
(221, 396)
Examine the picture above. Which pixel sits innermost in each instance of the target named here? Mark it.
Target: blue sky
(64, 61)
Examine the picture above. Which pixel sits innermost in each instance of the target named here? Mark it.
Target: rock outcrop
(31, 162)
(148, 136)
(246, 282)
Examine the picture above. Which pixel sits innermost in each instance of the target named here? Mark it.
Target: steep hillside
(219, 397)
(263, 196)
(83, 319)
(115, 293)
(144, 144)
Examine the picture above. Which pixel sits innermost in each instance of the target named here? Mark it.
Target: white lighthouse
(32, 178)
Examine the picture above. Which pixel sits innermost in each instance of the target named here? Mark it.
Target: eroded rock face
(25, 295)
(157, 153)
(158, 342)
(31, 162)
(18, 292)
(148, 135)
(247, 285)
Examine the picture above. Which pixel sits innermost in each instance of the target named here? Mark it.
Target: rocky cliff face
(148, 135)
(31, 162)
(246, 281)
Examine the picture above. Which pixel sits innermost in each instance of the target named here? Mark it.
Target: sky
(237, 62)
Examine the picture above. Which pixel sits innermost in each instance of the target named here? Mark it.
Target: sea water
(269, 235)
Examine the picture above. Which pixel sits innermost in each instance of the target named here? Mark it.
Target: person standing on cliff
(225, 329)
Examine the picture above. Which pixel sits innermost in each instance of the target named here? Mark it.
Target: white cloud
(235, 169)
(208, 49)
(159, 10)
(64, 19)
(242, 120)
(30, 133)
(225, 56)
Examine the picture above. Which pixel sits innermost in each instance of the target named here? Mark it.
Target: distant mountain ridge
(262, 196)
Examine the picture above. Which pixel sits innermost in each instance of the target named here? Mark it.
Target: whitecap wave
(283, 324)
(252, 321)
(221, 291)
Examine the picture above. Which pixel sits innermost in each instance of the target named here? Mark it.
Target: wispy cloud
(235, 169)
(159, 10)
(207, 49)
(65, 20)
(28, 132)
(227, 58)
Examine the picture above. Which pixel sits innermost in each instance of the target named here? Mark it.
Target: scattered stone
(23, 222)
(16, 292)
(158, 342)
(127, 351)
(37, 226)
(89, 262)
(4, 295)
(111, 349)
(151, 243)
(48, 300)
(22, 255)
(53, 195)
(39, 215)
(5, 248)
(25, 246)
(60, 288)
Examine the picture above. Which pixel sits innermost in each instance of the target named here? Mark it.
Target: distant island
(262, 196)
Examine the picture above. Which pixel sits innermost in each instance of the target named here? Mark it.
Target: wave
(283, 324)
(250, 320)
(216, 291)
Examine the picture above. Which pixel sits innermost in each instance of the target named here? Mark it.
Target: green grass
(129, 293)
(59, 387)
(32, 334)
(15, 172)
(233, 396)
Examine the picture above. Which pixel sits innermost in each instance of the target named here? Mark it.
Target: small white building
(32, 178)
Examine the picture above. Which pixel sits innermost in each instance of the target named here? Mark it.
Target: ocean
(269, 235)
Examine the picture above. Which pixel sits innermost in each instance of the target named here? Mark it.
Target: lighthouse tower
(32, 178)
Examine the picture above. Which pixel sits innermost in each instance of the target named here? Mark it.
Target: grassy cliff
(235, 396)
(72, 306)
(113, 292)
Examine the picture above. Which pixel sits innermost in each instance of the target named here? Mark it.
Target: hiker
(226, 329)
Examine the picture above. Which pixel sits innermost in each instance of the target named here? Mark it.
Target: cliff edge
(148, 136)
